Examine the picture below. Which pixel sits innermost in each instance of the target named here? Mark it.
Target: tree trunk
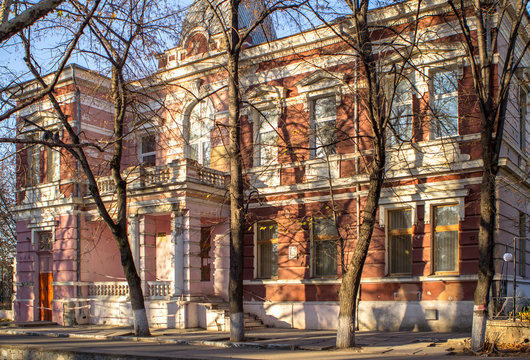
(237, 325)
(486, 242)
(4, 11)
(352, 279)
(141, 325)
(27, 18)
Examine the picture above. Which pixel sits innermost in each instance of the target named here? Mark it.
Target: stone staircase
(218, 316)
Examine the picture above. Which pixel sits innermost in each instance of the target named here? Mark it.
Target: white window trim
(408, 78)
(383, 216)
(429, 219)
(255, 236)
(312, 252)
(310, 101)
(35, 235)
(256, 118)
(203, 139)
(430, 204)
(523, 122)
(432, 128)
(142, 155)
(383, 211)
(56, 163)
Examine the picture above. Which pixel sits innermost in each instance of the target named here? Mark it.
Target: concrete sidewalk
(287, 341)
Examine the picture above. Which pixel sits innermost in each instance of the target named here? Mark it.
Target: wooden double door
(45, 286)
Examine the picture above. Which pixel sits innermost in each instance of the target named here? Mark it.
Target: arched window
(200, 129)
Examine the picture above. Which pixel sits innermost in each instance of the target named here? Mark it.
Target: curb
(159, 340)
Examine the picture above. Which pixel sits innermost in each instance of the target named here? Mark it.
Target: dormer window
(197, 44)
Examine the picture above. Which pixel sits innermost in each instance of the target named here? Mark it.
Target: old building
(306, 141)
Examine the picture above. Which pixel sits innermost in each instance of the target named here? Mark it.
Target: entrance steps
(218, 316)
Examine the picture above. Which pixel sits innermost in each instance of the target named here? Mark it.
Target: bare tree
(24, 19)
(119, 34)
(235, 39)
(480, 23)
(377, 104)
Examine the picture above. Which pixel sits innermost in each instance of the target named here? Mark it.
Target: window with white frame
(445, 238)
(52, 165)
(523, 111)
(400, 241)
(267, 250)
(401, 114)
(266, 136)
(325, 243)
(200, 130)
(44, 241)
(522, 244)
(323, 125)
(34, 165)
(445, 104)
(148, 150)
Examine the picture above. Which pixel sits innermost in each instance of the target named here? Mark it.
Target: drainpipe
(77, 96)
(356, 164)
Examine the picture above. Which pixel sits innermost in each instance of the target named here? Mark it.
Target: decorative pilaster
(179, 232)
(133, 223)
(142, 253)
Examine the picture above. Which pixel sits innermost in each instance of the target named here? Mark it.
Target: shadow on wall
(415, 315)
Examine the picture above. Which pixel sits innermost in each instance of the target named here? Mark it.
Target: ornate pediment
(320, 80)
(266, 93)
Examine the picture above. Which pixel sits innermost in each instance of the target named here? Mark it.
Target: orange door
(46, 296)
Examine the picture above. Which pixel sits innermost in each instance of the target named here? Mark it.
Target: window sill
(330, 281)
(444, 273)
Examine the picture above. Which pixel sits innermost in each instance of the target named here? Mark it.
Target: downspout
(77, 96)
(356, 164)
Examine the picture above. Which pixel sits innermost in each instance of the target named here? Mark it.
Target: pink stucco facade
(68, 264)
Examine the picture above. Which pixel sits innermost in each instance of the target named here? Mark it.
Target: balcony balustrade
(179, 171)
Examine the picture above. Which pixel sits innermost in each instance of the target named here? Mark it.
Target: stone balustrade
(159, 289)
(104, 289)
(155, 289)
(178, 171)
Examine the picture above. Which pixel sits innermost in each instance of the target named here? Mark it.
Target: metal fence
(502, 308)
(6, 287)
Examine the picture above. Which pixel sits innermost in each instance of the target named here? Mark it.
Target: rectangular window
(267, 250)
(400, 241)
(266, 139)
(523, 110)
(401, 114)
(45, 241)
(148, 150)
(325, 240)
(34, 165)
(205, 247)
(521, 261)
(445, 104)
(445, 238)
(324, 114)
(52, 165)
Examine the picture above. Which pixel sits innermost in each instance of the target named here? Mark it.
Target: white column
(179, 232)
(134, 239)
(141, 267)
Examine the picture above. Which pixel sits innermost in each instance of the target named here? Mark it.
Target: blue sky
(45, 51)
